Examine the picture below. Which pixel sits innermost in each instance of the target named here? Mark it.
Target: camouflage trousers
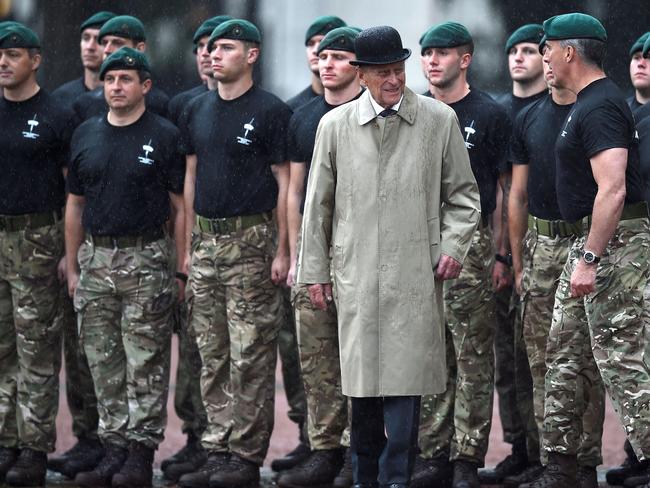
(318, 339)
(30, 340)
(294, 388)
(543, 260)
(234, 313)
(124, 302)
(459, 419)
(79, 387)
(613, 320)
(187, 393)
(512, 378)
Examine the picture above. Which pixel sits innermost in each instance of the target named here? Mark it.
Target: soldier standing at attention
(315, 33)
(541, 241)
(455, 425)
(318, 329)
(120, 31)
(237, 174)
(92, 55)
(126, 173)
(639, 74)
(599, 301)
(34, 139)
(514, 384)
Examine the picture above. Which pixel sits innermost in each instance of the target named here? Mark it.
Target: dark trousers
(384, 439)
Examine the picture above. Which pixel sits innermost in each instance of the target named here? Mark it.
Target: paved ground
(285, 437)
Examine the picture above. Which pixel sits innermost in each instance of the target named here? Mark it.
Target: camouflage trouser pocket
(85, 254)
(45, 242)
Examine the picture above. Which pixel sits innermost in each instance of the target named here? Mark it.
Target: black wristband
(507, 260)
(181, 276)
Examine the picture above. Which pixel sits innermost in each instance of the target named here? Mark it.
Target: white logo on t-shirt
(247, 128)
(31, 134)
(469, 131)
(147, 149)
(566, 125)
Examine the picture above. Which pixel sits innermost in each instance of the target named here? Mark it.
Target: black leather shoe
(319, 469)
(8, 457)
(103, 473)
(236, 473)
(528, 475)
(201, 477)
(433, 472)
(291, 459)
(465, 474)
(29, 469)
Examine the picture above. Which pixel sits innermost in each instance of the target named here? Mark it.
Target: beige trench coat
(389, 196)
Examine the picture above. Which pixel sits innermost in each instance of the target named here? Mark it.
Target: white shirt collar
(378, 108)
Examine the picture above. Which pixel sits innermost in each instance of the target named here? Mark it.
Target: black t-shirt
(643, 129)
(634, 103)
(302, 133)
(536, 126)
(93, 103)
(486, 129)
(235, 142)
(177, 103)
(35, 142)
(302, 98)
(70, 91)
(600, 119)
(125, 173)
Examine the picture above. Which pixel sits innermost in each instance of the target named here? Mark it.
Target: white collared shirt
(378, 108)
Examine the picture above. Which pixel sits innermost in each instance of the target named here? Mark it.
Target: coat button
(383, 267)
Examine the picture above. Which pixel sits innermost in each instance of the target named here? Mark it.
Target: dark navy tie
(387, 112)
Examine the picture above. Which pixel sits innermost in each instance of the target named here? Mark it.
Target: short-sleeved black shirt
(34, 147)
(178, 102)
(125, 173)
(235, 142)
(643, 129)
(535, 129)
(93, 103)
(600, 119)
(302, 98)
(70, 91)
(302, 133)
(634, 103)
(486, 129)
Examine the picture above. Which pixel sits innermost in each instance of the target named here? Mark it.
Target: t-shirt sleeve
(606, 127)
(517, 150)
(293, 149)
(501, 133)
(175, 164)
(74, 184)
(277, 134)
(186, 144)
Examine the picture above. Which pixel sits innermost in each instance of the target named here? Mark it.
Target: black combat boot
(344, 478)
(187, 460)
(630, 467)
(292, 458)
(319, 469)
(560, 472)
(84, 456)
(433, 472)
(103, 473)
(587, 477)
(528, 475)
(513, 464)
(8, 457)
(201, 477)
(29, 469)
(137, 470)
(465, 474)
(236, 473)
(640, 477)
(192, 445)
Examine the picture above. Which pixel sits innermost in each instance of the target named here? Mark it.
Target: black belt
(118, 242)
(15, 223)
(230, 225)
(554, 228)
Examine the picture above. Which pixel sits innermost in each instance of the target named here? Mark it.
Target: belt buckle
(114, 241)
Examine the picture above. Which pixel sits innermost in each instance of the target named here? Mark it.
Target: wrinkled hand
(279, 269)
(291, 275)
(583, 279)
(62, 270)
(320, 295)
(73, 281)
(501, 276)
(448, 268)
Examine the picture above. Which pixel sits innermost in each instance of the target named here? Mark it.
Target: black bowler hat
(379, 45)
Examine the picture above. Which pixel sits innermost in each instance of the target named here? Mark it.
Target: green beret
(572, 26)
(206, 28)
(124, 58)
(15, 34)
(646, 48)
(447, 34)
(8, 23)
(237, 29)
(96, 21)
(124, 26)
(339, 39)
(638, 44)
(322, 25)
(526, 33)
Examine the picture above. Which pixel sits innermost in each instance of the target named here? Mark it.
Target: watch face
(589, 257)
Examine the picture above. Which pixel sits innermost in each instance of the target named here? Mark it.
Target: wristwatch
(589, 257)
(507, 260)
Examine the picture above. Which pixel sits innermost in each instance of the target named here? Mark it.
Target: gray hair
(591, 51)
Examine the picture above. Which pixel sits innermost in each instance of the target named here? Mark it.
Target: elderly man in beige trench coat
(392, 195)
